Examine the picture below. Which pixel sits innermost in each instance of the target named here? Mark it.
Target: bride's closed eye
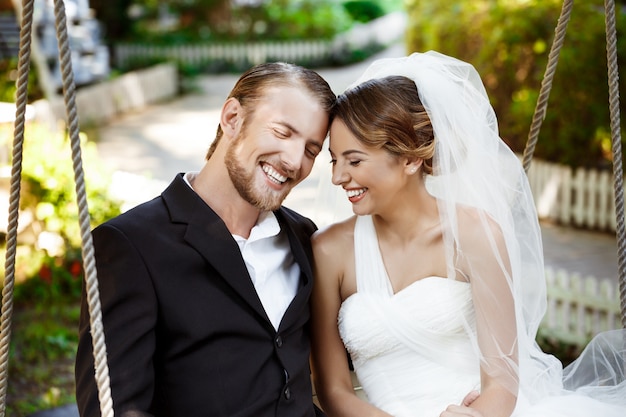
(352, 163)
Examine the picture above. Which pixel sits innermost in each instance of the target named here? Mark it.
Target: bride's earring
(413, 170)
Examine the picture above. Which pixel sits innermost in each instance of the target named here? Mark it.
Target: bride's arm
(331, 373)
(486, 263)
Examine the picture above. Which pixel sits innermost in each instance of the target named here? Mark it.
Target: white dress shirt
(270, 263)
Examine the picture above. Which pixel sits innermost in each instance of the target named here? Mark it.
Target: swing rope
(69, 90)
(546, 83)
(14, 201)
(540, 113)
(89, 265)
(616, 142)
(93, 297)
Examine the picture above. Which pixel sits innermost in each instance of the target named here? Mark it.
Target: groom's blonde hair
(251, 87)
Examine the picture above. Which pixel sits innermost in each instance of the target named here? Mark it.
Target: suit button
(279, 341)
(287, 393)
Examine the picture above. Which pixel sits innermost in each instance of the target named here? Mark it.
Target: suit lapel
(208, 234)
(301, 250)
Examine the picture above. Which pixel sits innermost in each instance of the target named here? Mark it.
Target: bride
(436, 286)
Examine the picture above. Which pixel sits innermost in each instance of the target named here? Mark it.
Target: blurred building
(90, 57)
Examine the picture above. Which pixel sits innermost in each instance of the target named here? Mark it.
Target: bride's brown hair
(386, 113)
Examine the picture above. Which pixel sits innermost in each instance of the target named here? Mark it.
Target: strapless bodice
(417, 331)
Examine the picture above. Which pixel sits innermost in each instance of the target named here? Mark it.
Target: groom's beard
(249, 186)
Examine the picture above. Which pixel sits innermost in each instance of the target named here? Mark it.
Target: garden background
(508, 41)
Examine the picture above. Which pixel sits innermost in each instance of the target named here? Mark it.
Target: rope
(540, 113)
(93, 297)
(546, 83)
(95, 313)
(611, 54)
(14, 202)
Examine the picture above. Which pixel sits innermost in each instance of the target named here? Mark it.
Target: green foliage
(49, 276)
(312, 19)
(48, 260)
(390, 6)
(508, 42)
(201, 21)
(41, 358)
(280, 20)
(113, 15)
(363, 10)
(8, 77)
(563, 351)
(57, 278)
(48, 185)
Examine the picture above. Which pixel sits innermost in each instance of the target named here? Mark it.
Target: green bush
(48, 197)
(281, 20)
(275, 20)
(8, 77)
(363, 10)
(288, 20)
(49, 186)
(49, 276)
(41, 357)
(508, 42)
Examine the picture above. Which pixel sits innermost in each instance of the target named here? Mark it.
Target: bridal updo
(386, 113)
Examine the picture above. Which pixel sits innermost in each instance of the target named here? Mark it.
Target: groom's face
(276, 146)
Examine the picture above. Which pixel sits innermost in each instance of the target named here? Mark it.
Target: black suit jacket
(186, 333)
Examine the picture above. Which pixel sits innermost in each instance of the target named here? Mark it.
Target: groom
(205, 289)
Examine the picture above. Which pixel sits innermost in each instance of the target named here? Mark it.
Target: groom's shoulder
(296, 219)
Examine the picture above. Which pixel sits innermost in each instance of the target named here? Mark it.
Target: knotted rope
(546, 82)
(14, 201)
(616, 141)
(540, 113)
(93, 297)
(89, 264)
(69, 89)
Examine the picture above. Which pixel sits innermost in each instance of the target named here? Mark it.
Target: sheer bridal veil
(473, 167)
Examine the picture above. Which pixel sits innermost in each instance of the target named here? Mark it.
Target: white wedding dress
(410, 350)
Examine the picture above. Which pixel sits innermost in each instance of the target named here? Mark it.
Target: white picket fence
(235, 53)
(573, 197)
(579, 308)
(382, 31)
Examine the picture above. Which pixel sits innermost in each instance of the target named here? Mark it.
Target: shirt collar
(266, 225)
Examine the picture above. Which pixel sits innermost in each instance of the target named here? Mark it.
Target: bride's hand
(461, 411)
(470, 398)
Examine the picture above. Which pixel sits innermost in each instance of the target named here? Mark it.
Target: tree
(113, 14)
(508, 42)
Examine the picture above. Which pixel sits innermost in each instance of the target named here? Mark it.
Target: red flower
(45, 273)
(76, 269)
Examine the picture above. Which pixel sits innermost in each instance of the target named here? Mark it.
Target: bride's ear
(412, 165)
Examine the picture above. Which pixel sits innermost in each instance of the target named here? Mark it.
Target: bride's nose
(340, 176)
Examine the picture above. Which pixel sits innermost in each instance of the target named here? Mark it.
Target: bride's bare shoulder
(336, 236)
(475, 225)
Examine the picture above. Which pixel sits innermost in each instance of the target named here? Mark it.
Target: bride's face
(373, 179)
